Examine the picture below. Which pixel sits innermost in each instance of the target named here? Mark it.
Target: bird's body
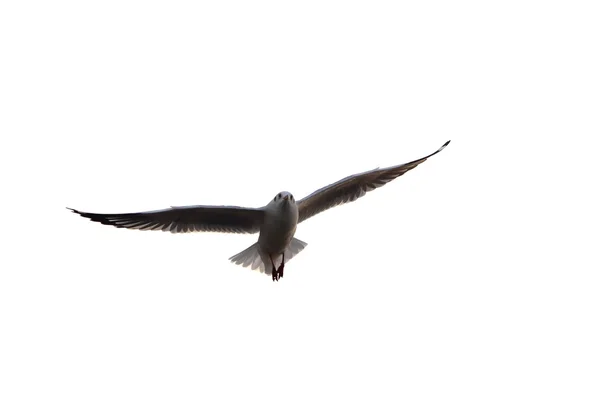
(279, 226)
(275, 222)
(276, 242)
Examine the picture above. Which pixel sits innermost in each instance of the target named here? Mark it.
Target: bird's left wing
(353, 187)
(227, 219)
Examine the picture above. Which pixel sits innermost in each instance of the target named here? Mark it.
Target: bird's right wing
(353, 187)
(227, 219)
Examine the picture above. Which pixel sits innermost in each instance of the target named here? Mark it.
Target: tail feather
(249, 257)
(294, 248)
(254, 258)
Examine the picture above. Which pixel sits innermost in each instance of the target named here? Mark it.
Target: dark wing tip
(439, 150)
(107, 219)
(442, 147)
(92, 216)
(81, 213)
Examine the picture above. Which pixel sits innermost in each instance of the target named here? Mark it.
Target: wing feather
(353, 187)
(226, 219)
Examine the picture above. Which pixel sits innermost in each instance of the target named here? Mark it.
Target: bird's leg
(274, 272)
(280, 269)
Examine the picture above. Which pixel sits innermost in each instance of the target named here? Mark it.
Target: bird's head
(284, 197)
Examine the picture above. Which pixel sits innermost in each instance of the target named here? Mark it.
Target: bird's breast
(278, 228)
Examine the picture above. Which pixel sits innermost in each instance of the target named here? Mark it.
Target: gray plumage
(276, 221)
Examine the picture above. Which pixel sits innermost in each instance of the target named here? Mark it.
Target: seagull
(276, 222)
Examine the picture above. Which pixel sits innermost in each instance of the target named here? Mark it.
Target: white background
(467, 287)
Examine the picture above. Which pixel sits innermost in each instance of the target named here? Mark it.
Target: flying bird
(276, 222)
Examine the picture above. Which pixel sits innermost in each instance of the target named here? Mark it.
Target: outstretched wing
(227, 219)
(353, 187)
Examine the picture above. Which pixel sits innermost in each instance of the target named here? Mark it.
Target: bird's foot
(277, 273)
